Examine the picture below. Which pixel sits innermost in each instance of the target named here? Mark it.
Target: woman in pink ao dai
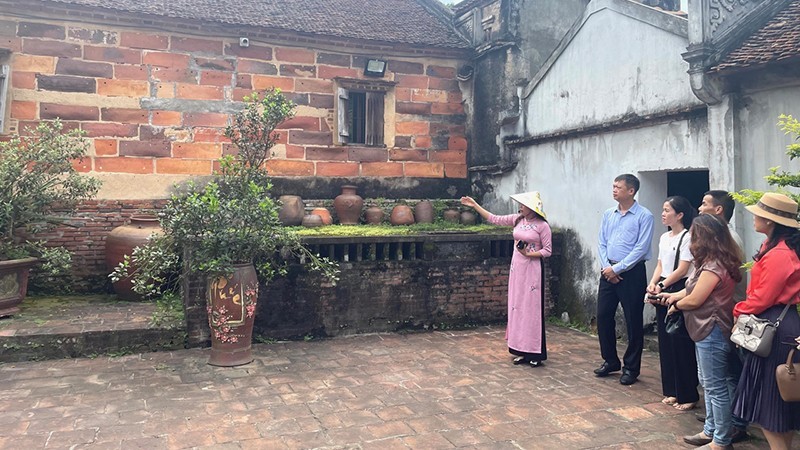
(532, 242)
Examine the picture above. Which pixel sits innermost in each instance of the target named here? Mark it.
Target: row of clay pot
(348, 206)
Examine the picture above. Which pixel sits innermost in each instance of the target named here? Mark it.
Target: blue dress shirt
(625, 238)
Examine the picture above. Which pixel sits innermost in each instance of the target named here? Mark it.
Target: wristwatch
(661, 285)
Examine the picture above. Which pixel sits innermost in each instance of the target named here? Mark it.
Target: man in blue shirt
(624, 245)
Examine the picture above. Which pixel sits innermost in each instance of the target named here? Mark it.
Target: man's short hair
(725, 200)
(630, 180)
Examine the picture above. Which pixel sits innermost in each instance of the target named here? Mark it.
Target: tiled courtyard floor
(389, 391)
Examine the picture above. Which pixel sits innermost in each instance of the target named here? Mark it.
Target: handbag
(755, 334)
(788, 381)
(674, 323)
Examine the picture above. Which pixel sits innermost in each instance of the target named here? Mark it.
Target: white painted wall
(762, 145)
(618, 65)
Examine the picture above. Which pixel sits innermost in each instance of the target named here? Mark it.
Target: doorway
(690, 184)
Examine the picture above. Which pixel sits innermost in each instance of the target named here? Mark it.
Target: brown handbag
(788, 380)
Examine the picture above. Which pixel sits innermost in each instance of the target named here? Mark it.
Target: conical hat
(532, 200)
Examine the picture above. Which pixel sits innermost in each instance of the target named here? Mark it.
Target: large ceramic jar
(401, 215)
(292, 210)
(348, 206)
(121, 241)
(423, 212)
(231, 314)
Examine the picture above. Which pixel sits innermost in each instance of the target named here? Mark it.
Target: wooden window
(361, 117)
(360, 111)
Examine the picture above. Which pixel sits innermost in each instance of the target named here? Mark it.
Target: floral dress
(525, 330)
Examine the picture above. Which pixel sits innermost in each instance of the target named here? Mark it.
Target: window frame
(378, 100)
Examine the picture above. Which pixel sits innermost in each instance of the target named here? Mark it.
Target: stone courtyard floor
(434, 390)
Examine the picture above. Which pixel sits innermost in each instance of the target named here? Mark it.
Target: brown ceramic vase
(451, 215)
(373, 215)
(312, 221)
(292, 210)
(423, 212)
(121, 241)
(402, 215)
(231, 312)
(348, 206)
(14, 284)
(323, 214)
(468, 218)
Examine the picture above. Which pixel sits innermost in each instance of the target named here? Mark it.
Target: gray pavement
(435, 390)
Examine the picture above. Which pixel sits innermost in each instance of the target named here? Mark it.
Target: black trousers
(630, 293)
(678, 362)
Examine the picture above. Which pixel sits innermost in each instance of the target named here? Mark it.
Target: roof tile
(398, 21)
(778, 40)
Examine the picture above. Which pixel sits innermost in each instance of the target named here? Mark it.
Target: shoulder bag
(788, 381)
(674, 323)
(755, 334)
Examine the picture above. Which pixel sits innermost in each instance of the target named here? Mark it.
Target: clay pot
(348, 206)
(231, 315)
(401, 215)
(469, 218)
(121, 241)
(373, 215)
(312, 221)
(324, 214)
(423, 212)
(292, 210)
(14, 284)
(451, 215)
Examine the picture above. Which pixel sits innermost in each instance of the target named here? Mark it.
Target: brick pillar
(193, 290)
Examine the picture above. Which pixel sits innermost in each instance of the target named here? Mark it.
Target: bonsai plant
(228, 231)
(39, 188)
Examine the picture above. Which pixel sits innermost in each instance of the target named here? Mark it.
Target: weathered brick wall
(85, 234)
(156, 102)
(459, 282)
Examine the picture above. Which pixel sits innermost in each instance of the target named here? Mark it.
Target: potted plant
(39, 189)
(228, 230)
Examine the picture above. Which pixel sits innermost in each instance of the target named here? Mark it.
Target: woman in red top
(774, 283)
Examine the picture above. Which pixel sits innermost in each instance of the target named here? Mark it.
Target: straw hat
(532, 200)
(778, 208)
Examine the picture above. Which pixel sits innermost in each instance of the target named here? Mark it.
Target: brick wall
(85, 236)
(459, 281)
(155, 102)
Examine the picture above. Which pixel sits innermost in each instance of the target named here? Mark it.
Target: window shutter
(4, 71)
(374, 128)
(341, 117)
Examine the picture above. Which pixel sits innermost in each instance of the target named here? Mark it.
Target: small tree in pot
(228, 230)
(39, 189)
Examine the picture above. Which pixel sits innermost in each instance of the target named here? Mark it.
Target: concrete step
(86, 326)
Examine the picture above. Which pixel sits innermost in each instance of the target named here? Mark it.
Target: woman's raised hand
(469, 201)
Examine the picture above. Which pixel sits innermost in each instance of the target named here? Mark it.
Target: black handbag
(674, 323)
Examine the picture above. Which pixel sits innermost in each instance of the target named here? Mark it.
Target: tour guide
(624, 245)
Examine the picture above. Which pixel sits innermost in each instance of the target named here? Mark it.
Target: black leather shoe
(627, 379)
(700, 416)
(606, 369)
(739, 435)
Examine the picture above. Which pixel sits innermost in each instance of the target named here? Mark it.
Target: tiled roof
(413, 22)
(777, 41)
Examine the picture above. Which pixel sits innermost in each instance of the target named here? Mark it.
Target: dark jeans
(630, 293)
